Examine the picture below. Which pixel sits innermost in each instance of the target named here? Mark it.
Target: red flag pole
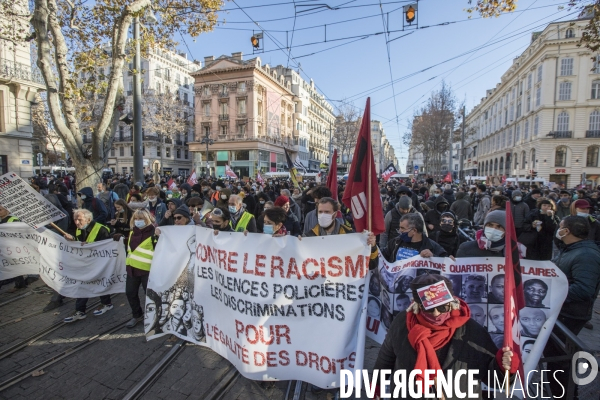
(370, 161)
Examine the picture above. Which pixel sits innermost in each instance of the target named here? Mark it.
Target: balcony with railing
(179, 142)
(223, 94)
(123, 138)
(592, 134)
(19, 71)
(560, 134)
(224, 117)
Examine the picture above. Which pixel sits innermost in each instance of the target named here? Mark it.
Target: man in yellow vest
(241, 220)
(5, 217)
(140, 251)
(88, 231)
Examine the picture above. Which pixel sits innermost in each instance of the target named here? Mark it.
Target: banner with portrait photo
(277, 308)
(480, 283)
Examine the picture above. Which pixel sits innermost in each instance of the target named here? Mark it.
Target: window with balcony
(595, 121)
(241, 103)
(241, 129)
(592, 156)
(206, 107)
(206, 91)
(223, 130)
(178, 153)
(566, 67)
(223, 89)
(564, 91)
(596, 90)
(242, 87)
(122, 151)
(562, 123)
(560, 157)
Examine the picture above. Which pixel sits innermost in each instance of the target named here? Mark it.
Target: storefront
(560, 180)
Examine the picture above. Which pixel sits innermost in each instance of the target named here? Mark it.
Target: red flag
(259, 178)
(229, 172)
(362, 191)
(332, 177)
(514, 298)
(448, 177)
(171, 184)
(192, 179)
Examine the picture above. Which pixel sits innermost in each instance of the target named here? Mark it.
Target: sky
(343, 46)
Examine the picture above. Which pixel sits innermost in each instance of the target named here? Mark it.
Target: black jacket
(390, 251)
(96, 206)
(433, 216)
(471, 249)
(471, 347)
(580, 262)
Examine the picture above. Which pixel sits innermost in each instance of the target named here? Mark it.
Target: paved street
(109, 367)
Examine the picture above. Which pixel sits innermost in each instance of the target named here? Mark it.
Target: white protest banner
(18, 197)
(73, 269)
(480, 282)
(19, 250)
(276, 308)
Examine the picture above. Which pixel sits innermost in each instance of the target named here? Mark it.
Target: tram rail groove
(66, 353)
(26, 316)
(21, 296)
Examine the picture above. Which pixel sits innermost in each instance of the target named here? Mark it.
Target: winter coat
(580, 262)
(158, 210)
(542, 245)
(482, 209)
(392, 222)
(433, 216)
(471, 249)
(389, 252)
(94, 205)
(562, 211)
(292, 225)
(449, 196)
(462, 207)
(520, 211)
(170, 220)
(471, 348)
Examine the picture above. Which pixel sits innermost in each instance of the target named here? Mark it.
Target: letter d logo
(581, 367)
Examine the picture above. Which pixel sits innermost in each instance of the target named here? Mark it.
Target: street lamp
(208, 141)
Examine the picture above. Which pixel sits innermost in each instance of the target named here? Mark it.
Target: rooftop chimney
(208, 60)
(237, 56)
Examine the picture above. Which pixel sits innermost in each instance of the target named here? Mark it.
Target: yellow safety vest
(13, 219)
(92, 236)
(243, 222)
(141, 257)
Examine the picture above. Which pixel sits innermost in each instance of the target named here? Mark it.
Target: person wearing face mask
(261, 199)
(563, 207)
(221, 219)
(411, 241)
(140, 251)
(582, 208)
(481, 204)
(489, 240)
(579, 260)
(294, 207)
(223, 198)
(392, 219)
(274, 222)
(186, 191)
(155, 205)
(442, 334)
(95, 206)
(291, 223)
(241, 219)
(432, 217)
(447, 235)
(520, 210)
(88, 231)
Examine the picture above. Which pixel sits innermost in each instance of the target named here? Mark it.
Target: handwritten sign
(22, 201)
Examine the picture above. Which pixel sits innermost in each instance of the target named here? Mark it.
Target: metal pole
(330, 146)
(462, 147)
(138, 159)
(207, 138)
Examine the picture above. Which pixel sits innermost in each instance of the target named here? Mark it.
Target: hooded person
(520, 210)
(447, 235)
(432, 217)
(94, 205)
(440, 332)
(462, 207)
(186, 191)
(392, 219)
(405, 191)
(169, 218)
(449, 194)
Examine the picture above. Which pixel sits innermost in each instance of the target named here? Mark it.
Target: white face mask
(325, 220)
(139, 223)
(224, 197)
(218, 187)
(152, 199)
(582, 214)
(493, 234)
(518, 198)
(558, 234)
(83, 197)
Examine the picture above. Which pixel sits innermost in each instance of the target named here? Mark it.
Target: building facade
(543, 118)
(383, 152)
(248, 111)
(20, 82)
(162, 71)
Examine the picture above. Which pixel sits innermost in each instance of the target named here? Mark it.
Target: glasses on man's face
(401, 231)
(177, 218)
(444, 308)
(447, 221)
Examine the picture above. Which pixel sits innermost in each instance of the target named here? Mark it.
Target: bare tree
(165, 116)
(74, 36)
(431, 127)
(46, 138)
(347, 126)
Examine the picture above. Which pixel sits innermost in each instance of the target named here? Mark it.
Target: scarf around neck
(426, 338)
(486, 244)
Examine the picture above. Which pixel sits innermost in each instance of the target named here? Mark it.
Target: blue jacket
(159, 210)
(96, 206)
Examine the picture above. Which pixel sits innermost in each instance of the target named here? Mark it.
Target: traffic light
(255, 42)
(534, 174)
(410, 14)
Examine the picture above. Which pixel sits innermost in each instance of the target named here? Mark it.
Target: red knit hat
(281, 200)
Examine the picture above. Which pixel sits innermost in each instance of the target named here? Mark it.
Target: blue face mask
(268, 229)
(232, 209)
(404, 237)
(139, 223)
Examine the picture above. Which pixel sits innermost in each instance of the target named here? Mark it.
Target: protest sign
(480, 283)
(18, 197)
(276, 308)
(73, 269)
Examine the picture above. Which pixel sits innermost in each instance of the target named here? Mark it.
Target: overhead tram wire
(292, 38)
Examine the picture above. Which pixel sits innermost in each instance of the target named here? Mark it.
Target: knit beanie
(404, 202)
(497, 216)
(182, 210)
